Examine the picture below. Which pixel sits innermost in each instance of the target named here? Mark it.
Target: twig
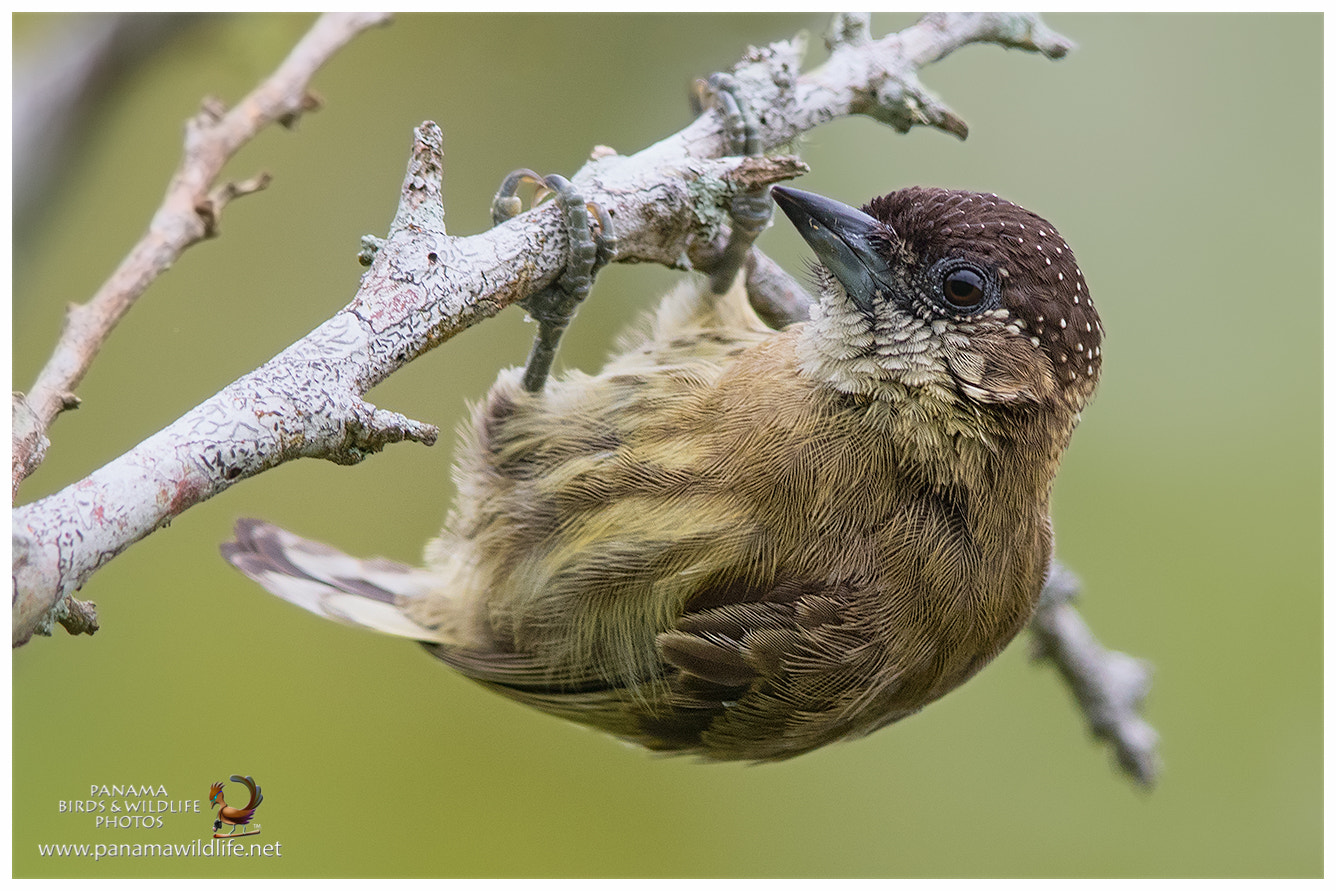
(189, 213)
(669, 203)
(62, 82)
(1110, 687)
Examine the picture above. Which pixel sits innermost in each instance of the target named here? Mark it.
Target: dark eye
(963, 288)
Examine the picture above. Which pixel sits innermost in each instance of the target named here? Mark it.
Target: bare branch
(64, 81)
(188, 214)
(669, 204)
(1110, 687)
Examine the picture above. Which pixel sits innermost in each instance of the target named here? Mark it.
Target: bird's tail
(369, 593)
(256, 796)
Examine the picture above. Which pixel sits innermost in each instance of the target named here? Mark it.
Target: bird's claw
(721, 92)
(591, 248)
(750, 211)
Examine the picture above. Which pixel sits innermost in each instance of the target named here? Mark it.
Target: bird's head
(954, 296)
(215, 794)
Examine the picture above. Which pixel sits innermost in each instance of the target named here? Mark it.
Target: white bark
(668, 202)
(188, 214)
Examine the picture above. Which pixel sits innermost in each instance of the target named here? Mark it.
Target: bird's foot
(591, 248)
(749, 212)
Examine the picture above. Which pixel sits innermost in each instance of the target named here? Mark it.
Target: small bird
(234, 816)
(745, 543)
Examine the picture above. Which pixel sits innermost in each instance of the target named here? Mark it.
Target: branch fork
(670, 204)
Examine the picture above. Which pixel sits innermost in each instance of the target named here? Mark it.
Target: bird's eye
(963, 288)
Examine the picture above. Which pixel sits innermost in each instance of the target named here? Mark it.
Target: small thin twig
(1110, 687)
(188, 214)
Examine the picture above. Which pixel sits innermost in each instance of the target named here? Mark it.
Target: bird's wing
(807, 651)
(725, 671)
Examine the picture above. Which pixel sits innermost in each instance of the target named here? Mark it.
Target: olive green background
(1180, 156)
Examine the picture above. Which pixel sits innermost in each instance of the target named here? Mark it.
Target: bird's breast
(619, 508)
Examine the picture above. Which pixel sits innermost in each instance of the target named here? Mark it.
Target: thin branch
(669, 204)
(62, 82)
(189, 213)
(1110, 687)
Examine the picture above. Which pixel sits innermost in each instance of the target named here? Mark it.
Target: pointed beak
(844, 239)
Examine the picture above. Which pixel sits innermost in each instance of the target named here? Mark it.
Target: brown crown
(1042, 287)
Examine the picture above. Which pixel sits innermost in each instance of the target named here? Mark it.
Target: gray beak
(844, 240)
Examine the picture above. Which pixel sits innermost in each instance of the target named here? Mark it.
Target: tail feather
(363, 593)
(256, 796)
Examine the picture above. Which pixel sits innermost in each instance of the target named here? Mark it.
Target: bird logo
(235, 816)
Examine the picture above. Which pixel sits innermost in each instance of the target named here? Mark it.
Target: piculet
(746, 543)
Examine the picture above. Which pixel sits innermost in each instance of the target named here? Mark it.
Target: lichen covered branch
(188, 214)
(669, 204)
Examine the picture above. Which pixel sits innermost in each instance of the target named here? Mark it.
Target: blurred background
(1179, 155)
